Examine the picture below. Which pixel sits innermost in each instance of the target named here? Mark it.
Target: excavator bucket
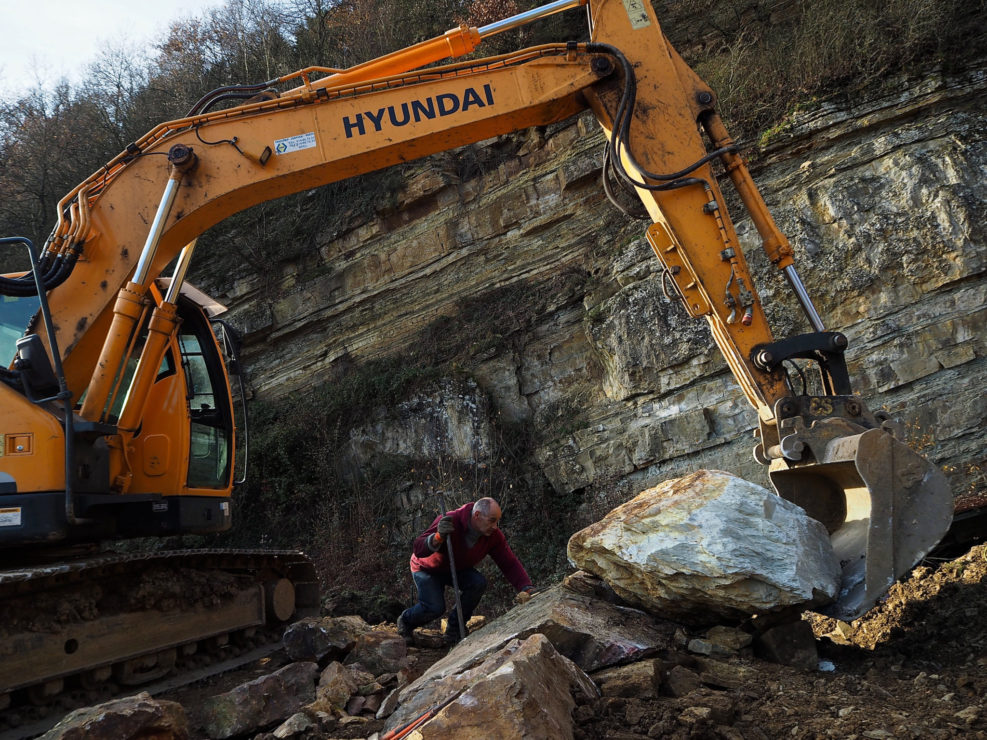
(884, 505)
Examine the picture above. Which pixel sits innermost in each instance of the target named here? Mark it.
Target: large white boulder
(708, 546)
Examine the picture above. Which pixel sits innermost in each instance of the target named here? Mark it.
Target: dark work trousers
(431, 596)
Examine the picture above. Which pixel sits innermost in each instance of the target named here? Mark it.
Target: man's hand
(446, 527)
(524, 595)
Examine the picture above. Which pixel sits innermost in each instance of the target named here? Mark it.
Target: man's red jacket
(495, 545)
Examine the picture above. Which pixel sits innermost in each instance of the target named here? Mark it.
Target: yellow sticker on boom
(637, 13)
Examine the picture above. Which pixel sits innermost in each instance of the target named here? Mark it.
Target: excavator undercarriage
(127, 618)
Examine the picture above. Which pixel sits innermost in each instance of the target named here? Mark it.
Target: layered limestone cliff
(568, 331)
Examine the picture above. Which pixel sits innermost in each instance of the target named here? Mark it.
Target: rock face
(451, 421)
(710, 546)
(884, 204)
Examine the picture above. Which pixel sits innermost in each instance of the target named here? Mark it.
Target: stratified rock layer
(883, 201)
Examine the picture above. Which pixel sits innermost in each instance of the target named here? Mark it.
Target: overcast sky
(48, 39)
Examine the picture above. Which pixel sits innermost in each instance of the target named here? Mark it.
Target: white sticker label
(295, 143)
(637, 14)
(10, 517)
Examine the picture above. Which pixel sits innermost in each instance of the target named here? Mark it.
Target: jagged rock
(695, 715)
(710, 706)
(379, 652)
(315, 639)
(704, 647)
(305, 639)
(296, 724)
(269, 699)
(724, 675)
(789, 644)
(640, 680)
(680, 681)
(588, 584)
(523, 690)
(389, 704)
(137, 716)
(729, 638)
(336, 685)
(591, 633)
(372, 703)
(720, 642)
(709, 546)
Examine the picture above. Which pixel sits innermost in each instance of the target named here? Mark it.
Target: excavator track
(125, 620)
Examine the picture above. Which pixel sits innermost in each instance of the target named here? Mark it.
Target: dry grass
(764, 56)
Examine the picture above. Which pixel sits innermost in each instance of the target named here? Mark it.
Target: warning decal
(637, 14)
(10, 517)
(295, 143)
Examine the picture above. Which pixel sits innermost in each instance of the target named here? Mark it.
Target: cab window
(211, 430)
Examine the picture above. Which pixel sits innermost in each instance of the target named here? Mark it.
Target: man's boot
(406, 631)
(451, 636)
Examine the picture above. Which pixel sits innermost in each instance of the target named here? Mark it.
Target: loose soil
(914, 667)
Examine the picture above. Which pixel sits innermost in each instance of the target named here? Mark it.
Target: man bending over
(474, 530)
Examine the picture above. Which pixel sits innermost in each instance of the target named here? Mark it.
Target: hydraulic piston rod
(129, 305)
(803, 297)
(522, 19)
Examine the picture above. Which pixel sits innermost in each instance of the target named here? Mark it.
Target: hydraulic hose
(620, 140)
(57, 273)
(229, 92)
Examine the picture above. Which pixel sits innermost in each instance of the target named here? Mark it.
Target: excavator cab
(210, 412)
(178, 466)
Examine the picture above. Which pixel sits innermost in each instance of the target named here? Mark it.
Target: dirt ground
(914, 667)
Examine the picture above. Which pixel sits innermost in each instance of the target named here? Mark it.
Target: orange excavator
(117, 414)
